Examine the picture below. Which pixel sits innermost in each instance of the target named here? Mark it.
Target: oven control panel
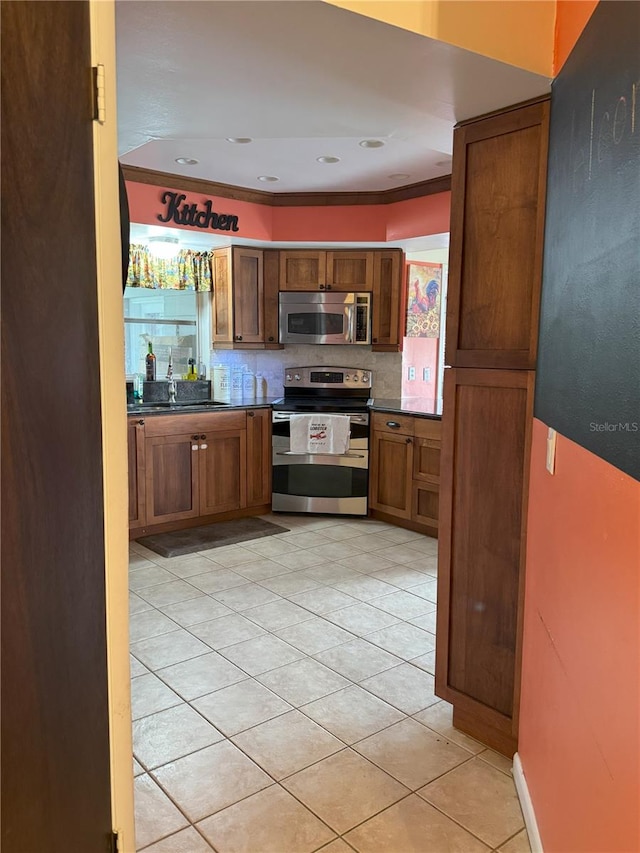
(326, 376)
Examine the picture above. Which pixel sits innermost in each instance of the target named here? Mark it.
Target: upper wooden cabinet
(497, 227)
(302, 269)
(239, 302)
(387, 303)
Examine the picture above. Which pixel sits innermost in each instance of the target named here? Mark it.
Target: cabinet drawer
(196, 422)
(424, 428)
(401, 424)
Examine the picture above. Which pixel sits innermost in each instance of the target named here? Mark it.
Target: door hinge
(99, 106)
(114, 846)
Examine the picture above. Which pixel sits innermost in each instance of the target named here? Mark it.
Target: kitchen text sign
(191, 214)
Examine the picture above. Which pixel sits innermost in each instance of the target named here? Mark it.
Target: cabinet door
(386, 334)
(425, 506)
(426, 460)
(222, 459)
(271, 270)
(350, 271)
(497, 228)
(258, 457)
(248, 296)
(222, 303)
(391, 466)
(171, 474)
(303, 269)
(135, 443)
(484, 481)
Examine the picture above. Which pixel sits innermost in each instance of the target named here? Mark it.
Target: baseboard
(526, 805)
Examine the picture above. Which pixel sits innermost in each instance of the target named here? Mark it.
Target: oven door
(320, 482)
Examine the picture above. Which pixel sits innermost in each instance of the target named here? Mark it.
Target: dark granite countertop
(206, 406)
(417, 406)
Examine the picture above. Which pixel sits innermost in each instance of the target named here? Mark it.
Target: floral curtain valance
(187, 271)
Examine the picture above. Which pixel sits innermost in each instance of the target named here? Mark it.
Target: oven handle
(338, 455)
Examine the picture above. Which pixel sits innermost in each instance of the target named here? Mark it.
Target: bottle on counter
(150, 364)
(202, 369)
(191, 372)
(248, 382)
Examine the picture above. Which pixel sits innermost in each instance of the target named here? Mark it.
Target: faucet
(172, 382)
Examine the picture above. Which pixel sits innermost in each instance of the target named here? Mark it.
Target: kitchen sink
(164, 405)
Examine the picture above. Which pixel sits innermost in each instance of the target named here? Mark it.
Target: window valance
(188, 270)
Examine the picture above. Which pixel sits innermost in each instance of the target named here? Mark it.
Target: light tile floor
(282, 695)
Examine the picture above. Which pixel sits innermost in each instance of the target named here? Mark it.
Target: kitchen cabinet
(387, 302)
(198, 467)
(135, 447)
(485, 464)
(239, 304)
(302, 269)
(404, 476)
(497, 226)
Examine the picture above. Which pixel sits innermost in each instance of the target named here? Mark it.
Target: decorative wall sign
(423, 299)
(191, 214)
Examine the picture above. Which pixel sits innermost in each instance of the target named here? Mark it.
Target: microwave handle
(352, 313)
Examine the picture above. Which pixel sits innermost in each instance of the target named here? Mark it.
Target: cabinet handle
(375, 340)
(203, 436)
(328, 287)
(195, 437)
(238, 337)
(271, 338)
(250, 414)
(409, 441)
(203, 447)
(322, 287)
(140, 423)
(393, 424)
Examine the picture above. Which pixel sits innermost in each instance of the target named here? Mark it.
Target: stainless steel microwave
(324, 318)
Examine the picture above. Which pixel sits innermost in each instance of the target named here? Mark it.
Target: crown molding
(210, 188)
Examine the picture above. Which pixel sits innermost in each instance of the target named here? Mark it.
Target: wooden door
(483, 489)
(222, 304)
(303, 269)
(248, 296)
(222, 460)
(350, 271)
(271, 270)
(55, 749)
(391, 467)
(171, 474)
(497, 229)
(425, 505)
(135, 445)
(258, 457)
(386, 332)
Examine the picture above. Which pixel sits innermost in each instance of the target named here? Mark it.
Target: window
(173, 320)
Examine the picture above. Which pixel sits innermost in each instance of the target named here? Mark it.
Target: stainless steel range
(322, 482)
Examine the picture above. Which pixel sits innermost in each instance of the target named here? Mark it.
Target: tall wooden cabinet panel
(497, 227)
(386, 332)
(271, 272)
(485, 454)
(222, 305)
(258, 457)
(248, 296)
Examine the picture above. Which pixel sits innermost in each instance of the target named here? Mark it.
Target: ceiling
(302, 80)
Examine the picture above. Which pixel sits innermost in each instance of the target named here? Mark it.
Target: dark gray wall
(588, 380)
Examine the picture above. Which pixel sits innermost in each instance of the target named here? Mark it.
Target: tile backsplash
(385, 367)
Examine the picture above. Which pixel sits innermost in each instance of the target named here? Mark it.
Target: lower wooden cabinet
(485, 461)
(405, 470)
(190, 466)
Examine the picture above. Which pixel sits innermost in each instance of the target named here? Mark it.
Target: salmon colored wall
(580, 712)
(571, 17)
(328, 224)
(519, 32)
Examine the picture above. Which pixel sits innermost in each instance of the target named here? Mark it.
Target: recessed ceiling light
(371, 143)
(267, 178)
(328, 159)
(239, 140)
(186, 161)
(399, 176)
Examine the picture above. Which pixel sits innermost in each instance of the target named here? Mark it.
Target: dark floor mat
(216, 535)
